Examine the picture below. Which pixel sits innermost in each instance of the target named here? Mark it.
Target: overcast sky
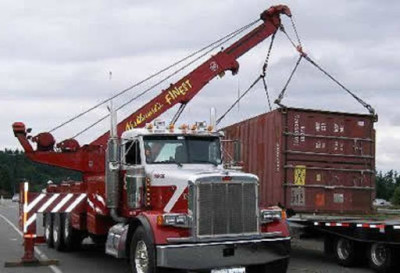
(56, 56)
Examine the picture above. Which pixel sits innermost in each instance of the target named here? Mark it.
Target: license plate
(230, 270)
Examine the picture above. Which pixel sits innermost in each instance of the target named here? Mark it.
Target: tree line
(388, 186)
(15, 168)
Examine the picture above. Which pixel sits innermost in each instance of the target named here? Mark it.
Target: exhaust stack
(112, 167)
(213, 117)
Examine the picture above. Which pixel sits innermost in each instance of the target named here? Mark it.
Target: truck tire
(72, 237)
(48, 230)
(142, 253)
(345, 252)
(380, 257)
(58, 230)
(276, 267)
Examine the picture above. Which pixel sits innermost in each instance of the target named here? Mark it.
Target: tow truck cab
(184, 209)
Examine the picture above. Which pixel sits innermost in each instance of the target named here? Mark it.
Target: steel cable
(221, 42)
(228, 36)
(237, 101)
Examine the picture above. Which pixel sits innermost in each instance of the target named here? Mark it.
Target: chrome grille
(226, 208)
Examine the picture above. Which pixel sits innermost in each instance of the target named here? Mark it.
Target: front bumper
(199, 256)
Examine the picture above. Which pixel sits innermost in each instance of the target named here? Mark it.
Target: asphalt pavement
(306, 257)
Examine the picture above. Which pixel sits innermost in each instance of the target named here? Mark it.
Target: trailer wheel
(48, 230)
(345, 252)
(380, 257)
(72, 237)
(58, 232)
(142, 254)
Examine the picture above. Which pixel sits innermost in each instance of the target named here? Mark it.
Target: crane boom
(89, 159)
(188, 87)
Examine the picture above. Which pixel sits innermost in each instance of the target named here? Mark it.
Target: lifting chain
(281, 95)
(299, 48)
(237, 101)
(264, 70)
(261, 77)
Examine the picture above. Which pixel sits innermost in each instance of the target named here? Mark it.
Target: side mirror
(237, 152)
(113, 166)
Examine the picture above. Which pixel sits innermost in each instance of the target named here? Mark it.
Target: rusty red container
(309, 160)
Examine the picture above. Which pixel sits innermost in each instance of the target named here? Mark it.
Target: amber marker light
(160, 220)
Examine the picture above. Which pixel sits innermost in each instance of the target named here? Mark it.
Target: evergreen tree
(396, 196)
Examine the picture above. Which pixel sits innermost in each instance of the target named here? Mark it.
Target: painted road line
(43, 256)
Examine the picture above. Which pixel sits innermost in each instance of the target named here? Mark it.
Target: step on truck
(159, 195)
(320, 167)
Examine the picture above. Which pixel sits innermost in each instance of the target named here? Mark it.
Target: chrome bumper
(198, 256)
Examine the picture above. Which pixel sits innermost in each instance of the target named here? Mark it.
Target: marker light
(174, 219)
(201, 125)
(183, 127)
(271, 215)
(159, 124)
(226, 178)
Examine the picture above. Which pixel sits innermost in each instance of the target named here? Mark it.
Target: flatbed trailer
(354, 239)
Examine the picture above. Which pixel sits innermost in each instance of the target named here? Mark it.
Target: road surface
(307, 258)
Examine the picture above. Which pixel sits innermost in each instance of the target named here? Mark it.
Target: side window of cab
(132, 152)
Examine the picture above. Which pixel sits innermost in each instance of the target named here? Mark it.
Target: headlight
(268, 216)
(174, 219)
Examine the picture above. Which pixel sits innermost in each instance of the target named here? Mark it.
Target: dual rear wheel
(59, 232)
(380, 256)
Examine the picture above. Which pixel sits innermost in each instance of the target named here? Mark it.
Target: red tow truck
(159, 195)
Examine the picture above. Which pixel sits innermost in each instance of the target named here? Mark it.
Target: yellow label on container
(300, 175)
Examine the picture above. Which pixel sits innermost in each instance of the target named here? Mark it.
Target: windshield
(182, 149)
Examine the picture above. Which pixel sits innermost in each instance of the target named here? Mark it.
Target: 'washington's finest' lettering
(171, 95)
(181, 90)
(140, 118)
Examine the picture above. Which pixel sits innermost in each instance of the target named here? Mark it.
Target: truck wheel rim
(343, 249)
(55, 234)
(141, 257)
(378, 254)
(47, 232)
(66, 227)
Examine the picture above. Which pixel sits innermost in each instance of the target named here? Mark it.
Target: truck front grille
(226, 209)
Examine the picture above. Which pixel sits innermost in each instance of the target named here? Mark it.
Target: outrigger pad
(31, 263)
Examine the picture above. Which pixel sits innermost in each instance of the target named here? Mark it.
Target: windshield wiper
(204, 161)
(170, 161)
(176, 162)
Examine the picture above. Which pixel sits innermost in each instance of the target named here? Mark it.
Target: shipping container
(309, 160)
